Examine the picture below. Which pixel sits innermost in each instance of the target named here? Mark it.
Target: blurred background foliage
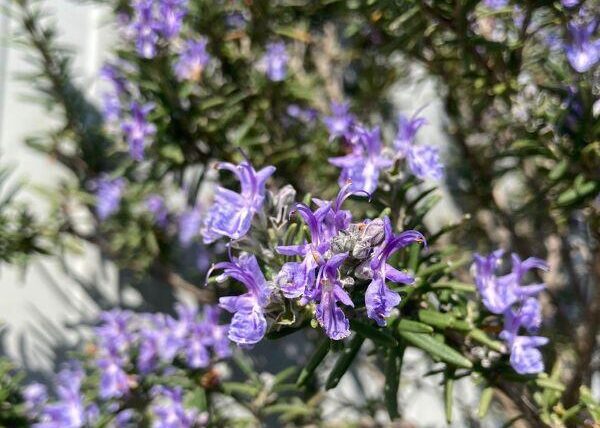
(522, 165)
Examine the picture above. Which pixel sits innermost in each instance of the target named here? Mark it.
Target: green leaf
(316, 358)
(481, 337)
(443, 321)
(548, 383)
(343, 362)
(455, 285)
(484, 401)
(559, 170)
(448, 394)
(378, 336)
(436, 349)
(197, 399)
(414, 326)
(230, 388)
(393, 367)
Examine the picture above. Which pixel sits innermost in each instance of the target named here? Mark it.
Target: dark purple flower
(189, 226)
(192, 60)
(363, 166)
(582, 52)
(341, 121)
(138, 130)
(275, 61)
(231, 213)
(156, 206)
(379, 299)
(248, 325)
(108, 196)
(407, 131)
(424, 162)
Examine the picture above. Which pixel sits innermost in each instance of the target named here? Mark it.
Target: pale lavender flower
(145, 27)
(341, 122)
(305, 115)
(137, 130)
(407, 131)
(379, 299)
(156, 206)
(275, 61)
(108, 196)
(192, 60)
(231, 213)
(569, 3)
(114, 333)
(248, 325)
(424, 162)
(582, 52)
(363, 166)
(189, 226)
(525, 358)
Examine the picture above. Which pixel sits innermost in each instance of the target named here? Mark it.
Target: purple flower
(168, 410)
(495, 4)
(192, 60)
(138, 130)
(363, 166)
(330, 292)
(216, 334)
(108, 196)
(156, 206)
(114, 334)
(407, 131)
(424, 162)
(35, 396)
(248, 325)
(569, 3)
(341, 121)
(379, 299)
(114, 382)
(275, 61)
(582, 52)
(305, 115)
(507, 295)
(171, 14)
(144, 27)
(235, 20)
(189, 225)
(231, 213)
(500, 292)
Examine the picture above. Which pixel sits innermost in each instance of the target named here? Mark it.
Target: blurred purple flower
(192, 60)
(495, 4)
(138, 130)
(275, 61)
(35, 396)
(248, 325)
(157, 207)
(108, 196)
(407, 131)
(341, 121)
(231, 213)
(189, 226)
(569, 3)
(114, 382)
(582, 52)
(363, 166)
(171, 14)
(424, 162)
(168, 410)
(305, 115)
